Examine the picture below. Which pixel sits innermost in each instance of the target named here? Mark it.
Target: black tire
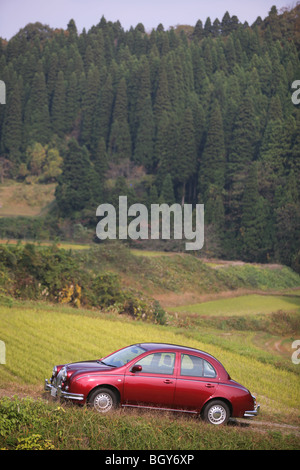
(103, 400)
(216, 412)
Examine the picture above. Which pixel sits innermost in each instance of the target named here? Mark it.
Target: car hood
(88, 366)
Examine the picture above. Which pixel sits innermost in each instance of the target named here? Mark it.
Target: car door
(196, 382)
(154, 384)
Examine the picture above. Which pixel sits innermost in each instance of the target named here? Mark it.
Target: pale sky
(15, 14)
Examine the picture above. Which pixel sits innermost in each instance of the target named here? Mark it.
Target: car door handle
(168, 381)
(209, 385)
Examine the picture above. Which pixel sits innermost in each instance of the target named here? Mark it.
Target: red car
(160, 376)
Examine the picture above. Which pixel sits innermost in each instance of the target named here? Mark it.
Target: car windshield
(120, 358)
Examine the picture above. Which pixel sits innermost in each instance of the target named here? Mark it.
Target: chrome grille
(57, 380)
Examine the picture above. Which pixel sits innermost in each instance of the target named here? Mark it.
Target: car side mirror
(136, 368)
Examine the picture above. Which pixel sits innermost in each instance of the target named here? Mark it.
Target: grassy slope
(243, 305)
(36, 338)
(24, 199)
(47, 425)
(178, 274)
(39, 335)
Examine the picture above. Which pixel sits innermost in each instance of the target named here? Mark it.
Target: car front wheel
(216, 412)
(103, 400)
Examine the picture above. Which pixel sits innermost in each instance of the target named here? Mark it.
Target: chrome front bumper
(58, 392)
(252, 413)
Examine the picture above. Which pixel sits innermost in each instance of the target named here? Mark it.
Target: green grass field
(243, 305)
(40, 425)
(62, 245)
(37, 338)
(25, 199)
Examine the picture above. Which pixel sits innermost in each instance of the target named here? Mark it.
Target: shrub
(49, 273)
(105, 290)
(34, 442)
(12, 416)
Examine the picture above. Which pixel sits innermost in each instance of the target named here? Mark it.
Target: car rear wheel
(216, 412)
(103, 400)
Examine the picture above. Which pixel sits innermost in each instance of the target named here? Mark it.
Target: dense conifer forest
(194, 114)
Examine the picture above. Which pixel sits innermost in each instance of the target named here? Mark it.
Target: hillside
(113, 274)
(195, 114)
(19, 199)
(71, 303)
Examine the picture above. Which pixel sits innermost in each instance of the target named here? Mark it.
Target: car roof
(173, 347)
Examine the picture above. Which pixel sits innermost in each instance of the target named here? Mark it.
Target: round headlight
(64, 374)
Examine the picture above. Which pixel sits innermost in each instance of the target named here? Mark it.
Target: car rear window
(195, 366)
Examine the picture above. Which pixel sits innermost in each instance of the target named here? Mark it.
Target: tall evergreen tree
(207, 27)
(187, 152)
(287, 234)
(100, 159)
(72, 101)
(198, 30)
(242, 151)
(214, 211)
(144, 142)
(103, 114)
(274, 154)
(152, 196)
(72, 30)
(140, 97)
(120, 138)
(37, 118)
(256, 237)
(12, 131)
(245, 137)
(52, 75)
(295, 152)
(167, 195)
(166, 147)
(213, 159)
(100, 167)
(162, 100)
(226, 24)
(89, 104)
(74, 191)
(58, 109)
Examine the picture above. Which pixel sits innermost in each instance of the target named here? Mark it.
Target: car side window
(158, 363)
(195, 366)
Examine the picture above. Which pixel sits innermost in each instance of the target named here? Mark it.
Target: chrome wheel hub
(103, 402)
(217, 414)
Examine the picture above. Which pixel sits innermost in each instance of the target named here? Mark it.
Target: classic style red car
(160, 376)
